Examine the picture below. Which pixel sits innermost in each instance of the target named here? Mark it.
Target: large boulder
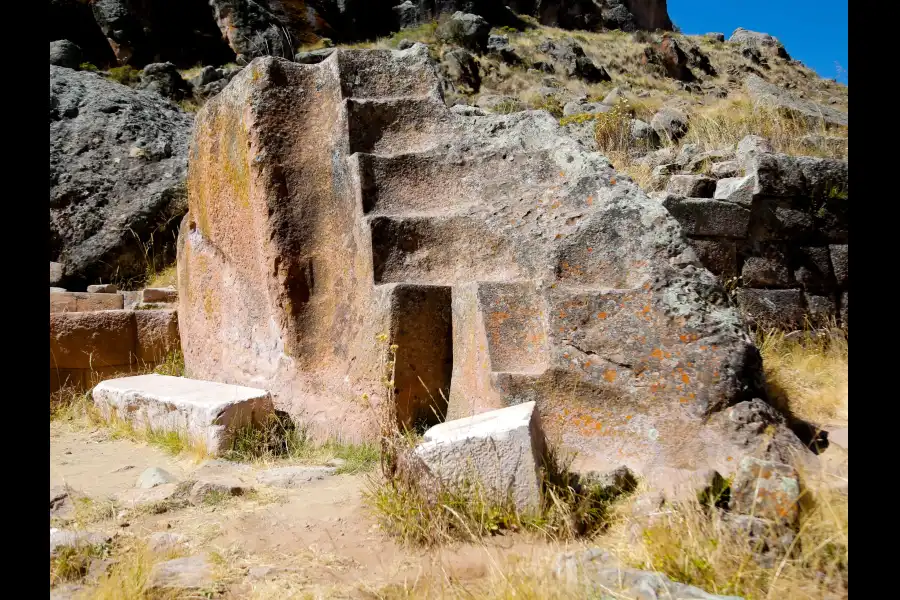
(575, 64)
(140, 33)
(64, 53)
(761, 42)
(165, 80)
(118, 159)
(467, 30)
(768, 94)
(460, 68)
(342, 218)
(627, 15)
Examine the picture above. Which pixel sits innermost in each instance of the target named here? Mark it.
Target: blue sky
(812, 31)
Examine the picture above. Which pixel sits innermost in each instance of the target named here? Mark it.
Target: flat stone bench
(205, 411)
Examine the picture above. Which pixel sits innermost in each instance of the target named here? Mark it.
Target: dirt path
(317, 538)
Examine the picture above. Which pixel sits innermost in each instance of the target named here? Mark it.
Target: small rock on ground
(289, 477)
(62, 538)
(153, 477)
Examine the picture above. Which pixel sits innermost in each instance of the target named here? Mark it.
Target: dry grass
(725, 123)
(694, 544)
(280, 439)
(808, 377)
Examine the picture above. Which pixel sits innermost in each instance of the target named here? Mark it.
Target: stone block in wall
(691, 186)
(845, 312)
(726, 169)
(812, 268)
(84, 302)
(157, 334)
(766, 271)
(702, 216)
(840, 263)
(775, 219)
(719, 256)
(771, 307)
(821, 309)
(832, 217)
(786, 176)
(738, 190)
(156, 295)
(84, 340)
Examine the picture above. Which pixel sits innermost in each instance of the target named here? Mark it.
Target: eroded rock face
(334, 202)
(118, 159)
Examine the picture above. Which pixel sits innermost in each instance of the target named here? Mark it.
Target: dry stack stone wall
(777, 234)
(95, 336)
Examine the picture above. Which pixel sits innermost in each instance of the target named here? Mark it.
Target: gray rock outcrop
(118, 159)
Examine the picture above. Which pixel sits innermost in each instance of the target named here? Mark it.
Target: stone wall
(778, 235)
(93, 338)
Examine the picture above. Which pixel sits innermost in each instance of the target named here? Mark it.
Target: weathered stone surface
(159, 295)
(191, 573)
(719, 256)
(759, 41)
(840, 263)
(812, 268)
(501, 450)
(704, 160)
(716, 36)
(751, 146)
(118, 158)
(62, 538)
(725, 169)
(765, 93)
(765, 489)
(768, 307)
(158, 496)
(290, 477)
(738, 190)
(64, 53)
(597, 572)
(845, 311)
(313, 57)
(165, 541)
(467, 30)
(461, 68)
(153, 477)
(56, 272)
(768, 267)
(165, 80)
(669, 55)
(783, 220)
(643, 135)
(83, 340)
(570, 57)
(157, 334)
(786, 176)
(214, 490)
(63, 302)
(516, 230)
(821, 308)
(208, 411)
(103, 288)
(701, 216)
(691, 186)
(582, 107)
(670, 124)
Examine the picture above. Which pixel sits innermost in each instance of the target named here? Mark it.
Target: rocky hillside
(649, 101)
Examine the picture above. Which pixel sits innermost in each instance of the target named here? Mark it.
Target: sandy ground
(317, 539)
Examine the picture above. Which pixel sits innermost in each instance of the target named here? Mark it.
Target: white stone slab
(502, 449)
(204, 410)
